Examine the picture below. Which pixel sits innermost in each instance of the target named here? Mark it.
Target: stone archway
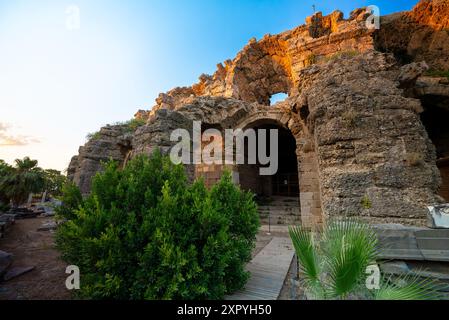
(297, 182)
(434, 119)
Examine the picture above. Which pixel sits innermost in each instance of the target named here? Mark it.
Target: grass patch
(438, 73)
(343, 54)
(131, 125)
(93, 136)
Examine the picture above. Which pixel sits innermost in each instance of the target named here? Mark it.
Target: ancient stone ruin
(363, 131)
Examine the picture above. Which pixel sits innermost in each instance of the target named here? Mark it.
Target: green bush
(93, 136)
(145, 233)
(131, 125)
(71, 200)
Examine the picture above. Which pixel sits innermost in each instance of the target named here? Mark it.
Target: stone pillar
(309, 188)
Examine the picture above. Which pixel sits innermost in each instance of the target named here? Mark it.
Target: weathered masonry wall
(374, 156)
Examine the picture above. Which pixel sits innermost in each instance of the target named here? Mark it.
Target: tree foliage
(54, 182)
(145, 233)
(21, 180)
(25, 177)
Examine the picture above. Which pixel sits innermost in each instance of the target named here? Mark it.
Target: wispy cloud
(9, 139)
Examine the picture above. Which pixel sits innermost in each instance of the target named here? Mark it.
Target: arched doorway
(435, 119)
(277, 194)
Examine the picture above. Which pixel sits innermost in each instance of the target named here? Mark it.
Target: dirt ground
(34, 248)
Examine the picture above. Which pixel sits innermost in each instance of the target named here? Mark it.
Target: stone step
(288, 201)
(279, 209)
(280, 203)
(282, 221)
(278, 206)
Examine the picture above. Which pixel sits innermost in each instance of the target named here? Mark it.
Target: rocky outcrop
(431, 13)
(352, 108)
(419, 35)
(111, 142)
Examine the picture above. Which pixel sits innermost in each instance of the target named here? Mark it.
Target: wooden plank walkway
(268, 269)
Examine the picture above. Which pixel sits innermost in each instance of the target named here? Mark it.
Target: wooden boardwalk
(268, 270)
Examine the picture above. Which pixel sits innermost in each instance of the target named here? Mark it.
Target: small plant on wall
(349, 118)
(366, 202)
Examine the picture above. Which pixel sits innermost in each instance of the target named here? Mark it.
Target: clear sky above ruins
(58, 82)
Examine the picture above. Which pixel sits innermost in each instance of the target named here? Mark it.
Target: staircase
(280, 210)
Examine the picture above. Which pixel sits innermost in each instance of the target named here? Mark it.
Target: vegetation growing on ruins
(93, 136)
(335, 264)
(131, 125)
(366, 202)
(342, 54)
(145, 233)
(128, 127)
(437, 73)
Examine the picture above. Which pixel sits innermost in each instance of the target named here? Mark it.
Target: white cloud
(9, 139)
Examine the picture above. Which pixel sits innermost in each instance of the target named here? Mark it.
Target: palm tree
(25, 178)
(334, 265)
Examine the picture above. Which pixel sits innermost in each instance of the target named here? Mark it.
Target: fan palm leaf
(308, 259)
(349, 248)
(409, 287)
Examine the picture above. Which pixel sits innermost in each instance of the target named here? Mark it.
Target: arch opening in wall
(278, 97)
(435, 119)
(278, 194)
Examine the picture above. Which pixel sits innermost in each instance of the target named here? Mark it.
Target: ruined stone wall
(111, 142)
(375, 158)
(354, 112)
(272, 64)
(419, 35)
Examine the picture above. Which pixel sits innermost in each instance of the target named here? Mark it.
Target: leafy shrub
(145, 233)
(93, 136)
(71, 200)
(131, 125)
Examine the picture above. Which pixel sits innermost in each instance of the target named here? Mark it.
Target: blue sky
(57, 85)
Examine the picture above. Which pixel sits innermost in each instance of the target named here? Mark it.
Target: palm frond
(349, 246)
(409, 287)
(307, 257)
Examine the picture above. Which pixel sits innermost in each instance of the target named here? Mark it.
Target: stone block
(438, 217)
